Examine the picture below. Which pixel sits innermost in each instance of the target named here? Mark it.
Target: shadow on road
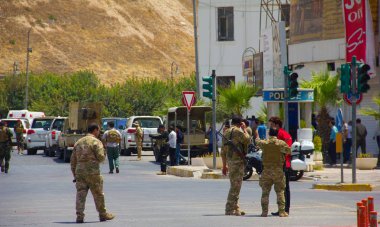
(73, 222)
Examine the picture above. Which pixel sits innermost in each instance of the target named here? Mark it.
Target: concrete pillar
(273, 109)
(308, 112)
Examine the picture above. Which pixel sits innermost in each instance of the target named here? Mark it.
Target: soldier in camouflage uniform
(19, 130)
(87, 155)
(139, 139)
(5, 147)
(239, 136)
(274, 151)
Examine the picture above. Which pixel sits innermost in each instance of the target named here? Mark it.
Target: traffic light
(345, 79)
(207, 87)
(293, 85)
(363, 78)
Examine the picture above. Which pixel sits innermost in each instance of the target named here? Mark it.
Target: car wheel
(128, 152)
(51, 152)
(66, 155)
(30, 152)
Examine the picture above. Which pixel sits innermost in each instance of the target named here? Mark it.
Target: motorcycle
(253, 161)
(298, 164)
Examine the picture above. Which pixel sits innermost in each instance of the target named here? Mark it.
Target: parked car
(26, 114)
(51, 138)
(149, 125)
(36, 134)
(11, 124)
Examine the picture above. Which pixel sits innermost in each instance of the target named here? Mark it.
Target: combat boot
(106, 217)
(283, 214)
(2, 168)
(264, 214)
(80, 220)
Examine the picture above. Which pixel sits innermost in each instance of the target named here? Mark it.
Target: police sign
(277, 95)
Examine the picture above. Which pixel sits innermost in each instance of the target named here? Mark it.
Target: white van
(26, 114)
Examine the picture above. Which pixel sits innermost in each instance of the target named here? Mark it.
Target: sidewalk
(328, 178)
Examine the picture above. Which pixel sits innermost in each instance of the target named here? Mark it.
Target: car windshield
(148, 122)
(41, 123)
(58, 123)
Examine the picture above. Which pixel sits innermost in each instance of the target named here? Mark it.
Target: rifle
(230, 143)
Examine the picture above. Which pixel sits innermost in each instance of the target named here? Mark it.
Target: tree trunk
(324, 129)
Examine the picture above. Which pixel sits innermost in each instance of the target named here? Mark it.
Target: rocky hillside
(113, 38)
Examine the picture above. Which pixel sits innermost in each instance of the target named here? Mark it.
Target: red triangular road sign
(188, 97)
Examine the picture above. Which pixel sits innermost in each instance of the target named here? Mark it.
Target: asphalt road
(38, 191)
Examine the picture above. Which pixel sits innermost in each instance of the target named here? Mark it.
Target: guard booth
(300, 107)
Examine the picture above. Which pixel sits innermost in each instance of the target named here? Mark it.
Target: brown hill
(114, 38)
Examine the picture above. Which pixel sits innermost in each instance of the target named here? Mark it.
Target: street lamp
(28, 50)
(248, 51)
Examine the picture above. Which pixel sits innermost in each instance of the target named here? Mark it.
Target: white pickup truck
(52, 136)
(35, 139)
(149, 125)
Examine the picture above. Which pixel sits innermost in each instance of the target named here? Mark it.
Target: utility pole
(196, 46)
(215, 143)
(353, 92)
(28, 50)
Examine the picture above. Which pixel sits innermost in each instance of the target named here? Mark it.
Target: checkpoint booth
(300, 109)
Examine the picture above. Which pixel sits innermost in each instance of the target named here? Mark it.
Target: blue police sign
(277, 95)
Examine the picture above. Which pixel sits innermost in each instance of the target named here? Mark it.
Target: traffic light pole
(286, 97)
(215, 143)
(353, 92)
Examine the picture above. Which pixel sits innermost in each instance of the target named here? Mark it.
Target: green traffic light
(345, 79)
(363, 78)
(293, 84)
(207, 87)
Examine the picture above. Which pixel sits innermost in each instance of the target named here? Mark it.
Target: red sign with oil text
(355, 22)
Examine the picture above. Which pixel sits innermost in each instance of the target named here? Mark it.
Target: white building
(226, 29)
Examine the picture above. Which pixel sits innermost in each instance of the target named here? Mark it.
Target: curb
(184, 172)
(345, 187)
(213, 175)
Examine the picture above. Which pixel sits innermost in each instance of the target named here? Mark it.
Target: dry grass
(114, 38)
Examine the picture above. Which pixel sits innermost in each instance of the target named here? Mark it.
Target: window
(225, 24)
(331, 66)
(41, 123)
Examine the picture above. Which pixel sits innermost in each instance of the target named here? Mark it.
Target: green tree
(325, 92)
(235, 98)
(375, 113)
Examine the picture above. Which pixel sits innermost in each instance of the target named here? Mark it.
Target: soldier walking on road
(5, 147)
(85, 166)
(139, 135)
(162, 140)
(112, 138)
(233, 154)
(273, 161)
(19, 130)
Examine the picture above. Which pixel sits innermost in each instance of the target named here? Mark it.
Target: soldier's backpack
(4, 137)
(113, 136)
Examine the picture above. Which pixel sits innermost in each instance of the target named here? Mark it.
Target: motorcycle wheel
(248, 171)
(295, 175)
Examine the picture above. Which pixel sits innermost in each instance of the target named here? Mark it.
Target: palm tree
(325, 92)
(235, 98)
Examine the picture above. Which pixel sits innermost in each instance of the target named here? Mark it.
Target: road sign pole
(188, 137)
(215, 143)
(286, 95)
(353, 92)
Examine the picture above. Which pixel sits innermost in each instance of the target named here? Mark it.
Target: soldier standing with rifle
(273, 161)
(235, 143)
(162, 139)
(5, 147)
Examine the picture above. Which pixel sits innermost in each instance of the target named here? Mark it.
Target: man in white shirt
(347, 130)
(112, 138)
(172, 145)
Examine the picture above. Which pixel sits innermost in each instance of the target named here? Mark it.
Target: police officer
(19, 130)
(162, 139)
(85, 166)
(5, 147)
(139, 139)
(273, 161)
(235, 143)
(112, 138)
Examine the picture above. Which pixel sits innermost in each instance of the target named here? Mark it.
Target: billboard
(321, 20)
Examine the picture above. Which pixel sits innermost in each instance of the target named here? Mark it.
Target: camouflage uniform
(235, 166)
(85, 165)
(273, 173)
(19, 130)
(139, 138)
(5, 148)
